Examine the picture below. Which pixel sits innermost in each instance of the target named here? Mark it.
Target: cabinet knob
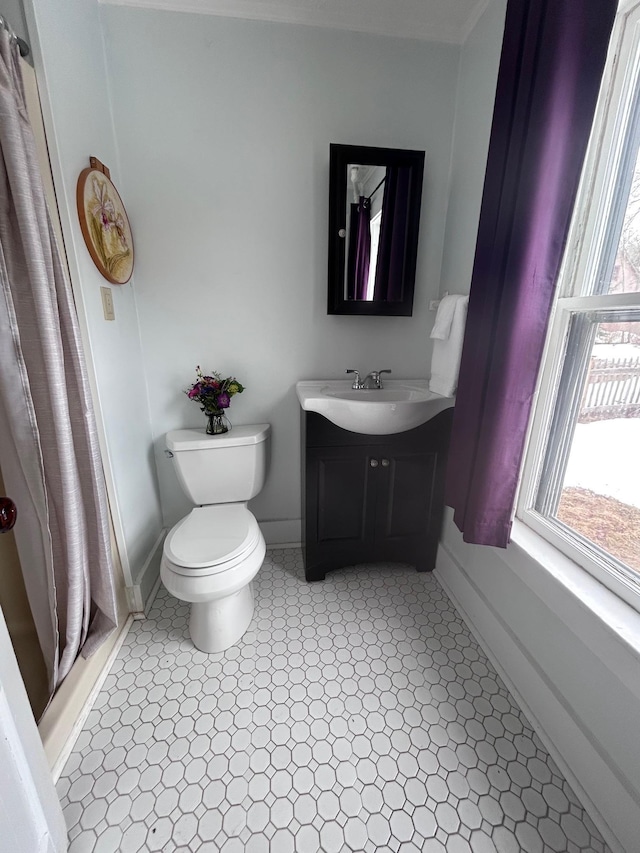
(374, 463)
(385, 463)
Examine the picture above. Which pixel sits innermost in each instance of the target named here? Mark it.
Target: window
(581, 480)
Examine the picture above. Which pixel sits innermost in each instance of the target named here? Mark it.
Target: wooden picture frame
(104, 223)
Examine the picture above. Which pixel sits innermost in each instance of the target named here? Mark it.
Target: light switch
(107, 303)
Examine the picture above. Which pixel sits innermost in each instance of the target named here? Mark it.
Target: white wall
(224, 129)
(576, 676)
(474, 112)
(67, 45)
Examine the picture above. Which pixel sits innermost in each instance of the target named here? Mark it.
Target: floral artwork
(105, 226)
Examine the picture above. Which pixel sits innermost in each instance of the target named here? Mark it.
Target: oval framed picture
(105, 224)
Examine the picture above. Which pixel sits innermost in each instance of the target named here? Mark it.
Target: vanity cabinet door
(340, 492)
(404, 510)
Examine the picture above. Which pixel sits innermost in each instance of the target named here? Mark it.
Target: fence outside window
(612, 389)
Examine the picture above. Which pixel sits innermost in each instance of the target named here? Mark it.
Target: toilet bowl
(211, 556)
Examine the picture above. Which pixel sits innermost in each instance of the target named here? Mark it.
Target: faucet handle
(357, 385)
(376, 375)
(379, 376)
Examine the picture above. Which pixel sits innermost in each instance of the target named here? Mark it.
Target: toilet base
(217, 625)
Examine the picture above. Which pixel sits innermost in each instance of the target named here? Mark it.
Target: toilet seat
(212, 539)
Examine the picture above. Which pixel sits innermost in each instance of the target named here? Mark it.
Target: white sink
(400, 406)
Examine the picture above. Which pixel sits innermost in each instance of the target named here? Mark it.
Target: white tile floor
(357, 714)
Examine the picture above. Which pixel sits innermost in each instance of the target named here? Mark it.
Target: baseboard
(494, 636)
(61, 724)
(152, 598)
(282, 533)
(141, 593)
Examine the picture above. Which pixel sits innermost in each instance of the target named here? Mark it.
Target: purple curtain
(552, 60)
(359, 249)
(393, 235)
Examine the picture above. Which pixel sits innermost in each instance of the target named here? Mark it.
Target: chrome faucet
(372, 380)
(357, 385)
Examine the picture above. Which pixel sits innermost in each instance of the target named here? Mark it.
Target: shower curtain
(48, 440)
(393, 235)
(359, 249)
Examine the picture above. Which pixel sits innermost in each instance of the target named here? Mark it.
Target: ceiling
(428, 20)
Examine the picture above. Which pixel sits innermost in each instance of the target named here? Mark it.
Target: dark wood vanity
(372, 498)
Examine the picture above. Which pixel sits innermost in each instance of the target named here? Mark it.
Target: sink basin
(400, 406)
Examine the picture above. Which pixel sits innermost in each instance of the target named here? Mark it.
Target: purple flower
(212, 391)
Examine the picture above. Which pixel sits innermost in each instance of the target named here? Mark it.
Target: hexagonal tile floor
(357, 714)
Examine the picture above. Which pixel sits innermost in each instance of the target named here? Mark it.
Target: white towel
(447, 351)
(446, 309)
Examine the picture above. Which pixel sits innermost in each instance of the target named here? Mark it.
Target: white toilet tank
(218, 469)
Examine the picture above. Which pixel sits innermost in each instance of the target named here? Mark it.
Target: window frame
(597, 201)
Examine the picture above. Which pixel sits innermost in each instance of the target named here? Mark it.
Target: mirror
(374, 216)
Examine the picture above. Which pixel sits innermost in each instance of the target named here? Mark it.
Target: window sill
(607, 625)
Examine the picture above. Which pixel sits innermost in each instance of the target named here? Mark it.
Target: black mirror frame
(340, 156)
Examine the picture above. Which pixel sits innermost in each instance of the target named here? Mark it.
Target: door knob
(8, 514)
(374, 463)
(385, 463)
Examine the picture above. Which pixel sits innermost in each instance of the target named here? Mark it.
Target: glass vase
(217, 423)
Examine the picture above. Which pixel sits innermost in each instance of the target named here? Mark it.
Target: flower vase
(217, 423)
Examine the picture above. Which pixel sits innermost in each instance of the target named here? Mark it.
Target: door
(30, 814)
(405, 490)
(339, 493)
(19, 620)
(408, 519)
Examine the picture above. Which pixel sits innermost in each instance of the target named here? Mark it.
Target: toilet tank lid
(197, 439)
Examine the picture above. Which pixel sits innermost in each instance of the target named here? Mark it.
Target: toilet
(211, 557)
